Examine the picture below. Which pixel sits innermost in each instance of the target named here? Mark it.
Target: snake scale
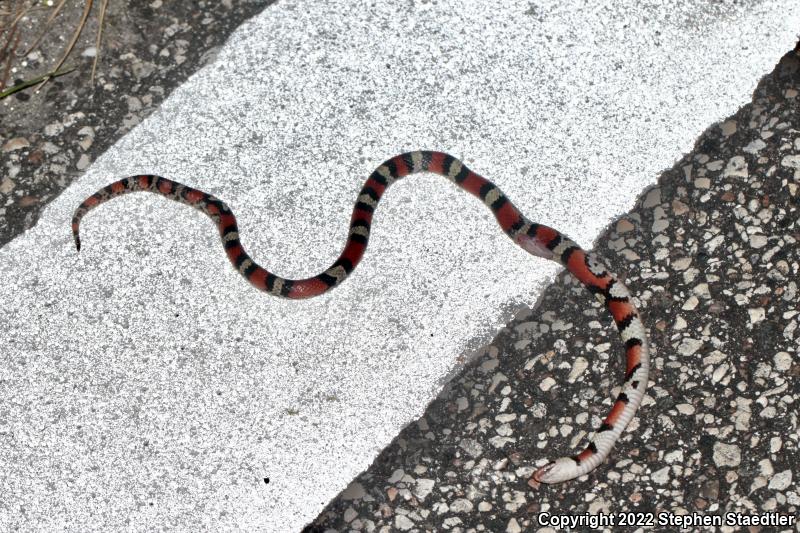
(536, 239)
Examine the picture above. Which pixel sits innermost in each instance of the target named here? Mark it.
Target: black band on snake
(535, 238)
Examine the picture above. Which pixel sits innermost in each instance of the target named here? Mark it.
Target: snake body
(537, 239)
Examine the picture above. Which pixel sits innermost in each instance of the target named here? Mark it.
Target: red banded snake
(536, 239)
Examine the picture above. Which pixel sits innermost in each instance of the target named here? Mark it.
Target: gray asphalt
(146, 386)
(716, 242)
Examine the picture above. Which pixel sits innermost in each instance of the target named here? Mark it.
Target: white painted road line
(145, 385)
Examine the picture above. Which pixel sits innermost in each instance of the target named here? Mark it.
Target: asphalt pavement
(145, 385)
(716, 241)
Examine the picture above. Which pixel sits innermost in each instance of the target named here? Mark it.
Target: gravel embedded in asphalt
(716, 244)
(48, 139)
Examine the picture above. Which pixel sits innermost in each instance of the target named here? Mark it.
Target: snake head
(556, 471)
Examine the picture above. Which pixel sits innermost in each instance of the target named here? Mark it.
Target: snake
(537, 239)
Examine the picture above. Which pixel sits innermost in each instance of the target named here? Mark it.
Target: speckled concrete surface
(717, 245)
(146, 386)
(49, 138)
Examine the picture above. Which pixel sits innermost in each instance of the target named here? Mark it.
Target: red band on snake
(535, 238)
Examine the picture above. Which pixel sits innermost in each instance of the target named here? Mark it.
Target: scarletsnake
(535, 238)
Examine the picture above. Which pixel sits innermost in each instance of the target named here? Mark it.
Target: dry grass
(13, 13)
